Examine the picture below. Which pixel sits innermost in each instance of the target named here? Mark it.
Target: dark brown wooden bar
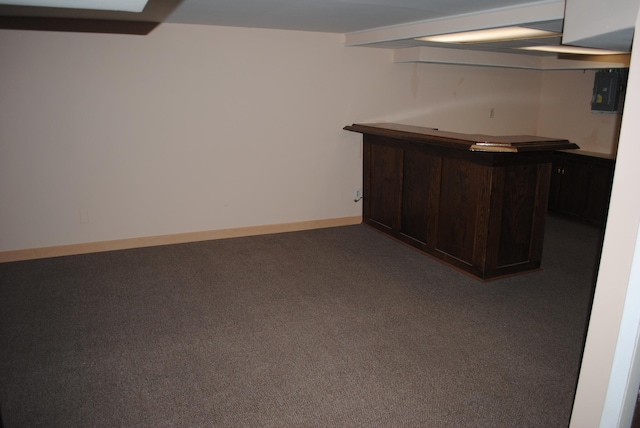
(476, 202)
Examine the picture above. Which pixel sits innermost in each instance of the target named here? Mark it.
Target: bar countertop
(469, 142)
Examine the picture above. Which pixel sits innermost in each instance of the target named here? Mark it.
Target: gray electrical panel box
(607, 89)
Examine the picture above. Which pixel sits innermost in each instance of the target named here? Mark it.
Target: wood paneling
(420, 172)
(460, 195)
(384, 189)
(518, 211)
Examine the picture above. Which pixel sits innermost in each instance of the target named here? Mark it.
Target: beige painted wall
(459, 98)
(196, 128)
(565, 112)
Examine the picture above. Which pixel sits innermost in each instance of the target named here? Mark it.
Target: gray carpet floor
(339, 327)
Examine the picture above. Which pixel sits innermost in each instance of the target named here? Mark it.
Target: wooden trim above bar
(467, 142)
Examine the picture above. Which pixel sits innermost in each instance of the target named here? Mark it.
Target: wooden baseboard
(178, 238)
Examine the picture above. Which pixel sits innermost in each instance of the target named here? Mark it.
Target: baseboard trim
(178, 238)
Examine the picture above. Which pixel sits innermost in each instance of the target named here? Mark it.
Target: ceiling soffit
(544, 16)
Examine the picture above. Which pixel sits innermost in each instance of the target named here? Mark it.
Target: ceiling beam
(507, 60)
(532, 12)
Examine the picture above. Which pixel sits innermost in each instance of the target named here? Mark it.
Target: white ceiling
(329, 16)
(389, 24)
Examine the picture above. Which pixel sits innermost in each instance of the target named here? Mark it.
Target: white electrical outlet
(357, 195)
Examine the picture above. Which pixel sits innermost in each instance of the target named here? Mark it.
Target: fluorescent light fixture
(501, 34)
(117, 5)
(572, 50)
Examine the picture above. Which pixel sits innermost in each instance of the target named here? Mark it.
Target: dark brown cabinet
(581, 186)
(477, 203)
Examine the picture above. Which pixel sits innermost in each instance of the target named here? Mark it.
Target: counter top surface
(470, 142)
(608, 156)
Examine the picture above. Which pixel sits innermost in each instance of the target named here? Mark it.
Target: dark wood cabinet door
(574, 188)
(554, 187)
(581, 187)
(600, 181)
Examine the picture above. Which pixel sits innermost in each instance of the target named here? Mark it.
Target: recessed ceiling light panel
(491, 35)
(117, 5)
(563, 49)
